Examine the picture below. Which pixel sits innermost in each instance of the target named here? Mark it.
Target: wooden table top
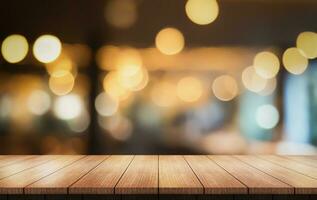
(153, 174)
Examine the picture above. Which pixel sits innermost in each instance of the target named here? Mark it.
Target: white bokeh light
(267, 116)
(68, 107)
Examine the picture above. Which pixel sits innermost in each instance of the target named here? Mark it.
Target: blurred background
(158, 77)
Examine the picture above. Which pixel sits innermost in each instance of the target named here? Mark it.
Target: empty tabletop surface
(158, 174)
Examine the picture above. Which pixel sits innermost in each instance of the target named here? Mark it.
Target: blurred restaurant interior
(158, 77)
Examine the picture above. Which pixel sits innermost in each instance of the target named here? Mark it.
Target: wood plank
(58, 182)
(9, 160)
(304, 159)
(14, 184)
(257, 181)
(176, 177)
(302, 184)
(291, 164)
(141, 177)
(214, 178)
(102, 179)
(24, 164)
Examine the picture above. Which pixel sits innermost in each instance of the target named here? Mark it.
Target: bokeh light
(225, 88)
(128, 62)
(61, 82)
(163, 94)
(62, 63)
(266, 64)
(47, 48)
(202, 12)
(14, 48)
(107, 57)
(267, 116)
(294, 62)
(269, 88)
(80, 123)
(68, 107)
(119, 127)
(189, 89)
(39, 102)
(252, 81)
(105, 105)
(113, 88)
(169, 41)
(307, 43)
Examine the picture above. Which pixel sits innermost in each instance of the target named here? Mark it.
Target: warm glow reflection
(39, 102)
(105, 105)
(307, 43)
(252, 81)
(225, 88)
(189, 89)
(47, 48)
(202, 12)
(169, 41)
(61, 82)
(14, 48)
(68, 107)
(163, 94)
(266, 64)
(113, 88)
(294, 61)
(267, 116)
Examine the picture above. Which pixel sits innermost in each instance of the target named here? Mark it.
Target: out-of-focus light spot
(63, 63)
(202, 12)
(169, 41)
(79, 124)
(119, 127)
(68, 107)
(269, 88)
(61, 82)
(5, 106)
(307, 43)
(266, 64)
(225, 88)
(267, 116)
(113, 88)
(163, 94)
(47, 48)
(143, 83)
(14, 48)
(189, 89)
(107, 57)
(121, 13)
(294, 61)
(252, 81)
(39, 102)
(105, 105)
(129, 62)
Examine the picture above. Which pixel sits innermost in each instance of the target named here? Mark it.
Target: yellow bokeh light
(61, 82)
(129, 62)
(252, 81)
(307, 43)
(113, 88)
(189, 89)
(163, 94)
(106, 105)
(169, 41)
(63, 63)
(107, 57)
(202, 12)
(266, 64)
(269, 88)
(294, 61)
(14, 48)
(47, 48)
(225, 88)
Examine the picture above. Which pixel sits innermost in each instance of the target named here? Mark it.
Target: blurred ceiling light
(294, 62)
(269, 88)
(267, 116)
(225, 88)
(252, 81)
(169, 41)
(61, 82)
(62, 63)
(105, 105)
(163, 94)
(47, 48)
(189, 89)
(202, 12)
(107, 57)
(113, 88)
(80, 123)
(39, 102)
(68, 107)
(266, 64)
(307, 43)
(121, 13)
(14, 48)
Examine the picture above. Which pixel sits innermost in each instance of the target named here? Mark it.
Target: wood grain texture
(58, 182)
(176, 177)
(302, 184)
(15, 184)
(304, 160)
(102, 179)
(214, 178)
(257, 181)
(141, 177)
(8, 160)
